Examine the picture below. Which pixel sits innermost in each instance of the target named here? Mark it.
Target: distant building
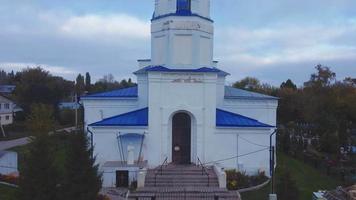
(68, 105)
(8, 162)
(7, 110)
(7, 89)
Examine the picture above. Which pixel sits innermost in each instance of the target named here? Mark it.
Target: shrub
(239, 180)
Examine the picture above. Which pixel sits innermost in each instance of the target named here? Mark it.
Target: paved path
(25, 140)
(115, 193)
(14, 143)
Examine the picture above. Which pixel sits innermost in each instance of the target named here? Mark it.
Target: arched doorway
(181, 138)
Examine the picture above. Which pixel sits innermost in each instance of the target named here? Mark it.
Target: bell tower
(182, 34)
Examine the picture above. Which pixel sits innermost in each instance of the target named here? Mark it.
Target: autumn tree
(41, 120)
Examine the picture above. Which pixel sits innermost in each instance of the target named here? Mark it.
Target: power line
(252, 142)
(246, 154)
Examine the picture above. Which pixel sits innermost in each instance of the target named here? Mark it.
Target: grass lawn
(307, 178)
(8, 193)
(261, 194)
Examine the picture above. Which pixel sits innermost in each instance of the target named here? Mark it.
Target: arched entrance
(181, 138)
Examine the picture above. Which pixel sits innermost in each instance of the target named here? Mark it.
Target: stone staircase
(182, 182)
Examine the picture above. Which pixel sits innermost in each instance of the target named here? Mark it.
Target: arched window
(183, 5)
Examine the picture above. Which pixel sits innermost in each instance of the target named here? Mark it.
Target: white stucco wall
(6, 111)
(8, 162)
(182, 42)
(99, 109)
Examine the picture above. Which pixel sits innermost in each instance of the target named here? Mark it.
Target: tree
(38, 178)
(288, 84)
(35, 85)
(248, 83)
(109, 78)
(82, 180)
(79, 85)
(87, 82)
(41, 120)
(324, 77)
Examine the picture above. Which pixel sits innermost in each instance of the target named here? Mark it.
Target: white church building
(181, 109)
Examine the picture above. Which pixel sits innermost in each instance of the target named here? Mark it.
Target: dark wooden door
(122, 178)
(181, 138)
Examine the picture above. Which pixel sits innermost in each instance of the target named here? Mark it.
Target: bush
(239, 180)
(12, 179)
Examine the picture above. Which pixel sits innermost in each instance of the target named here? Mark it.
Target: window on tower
(183, 6)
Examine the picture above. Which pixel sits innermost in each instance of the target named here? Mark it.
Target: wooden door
(181, 138)
(122, 178)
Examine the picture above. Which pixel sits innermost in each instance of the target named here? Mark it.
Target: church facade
(181, 111)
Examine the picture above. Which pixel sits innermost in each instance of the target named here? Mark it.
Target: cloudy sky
(271, 40)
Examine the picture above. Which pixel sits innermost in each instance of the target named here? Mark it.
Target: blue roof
(235, 93)
(140, 118)
(182, 14)
(229, 119)
(166, 69)
(134, 118)
(130, 92)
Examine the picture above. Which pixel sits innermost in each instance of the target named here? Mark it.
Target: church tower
(182, 34)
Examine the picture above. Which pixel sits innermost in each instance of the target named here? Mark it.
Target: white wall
(182, 42)
(263, 110)
(8, 163)
(106, 146)
(6, 111)
(99, 109)
(192, 93)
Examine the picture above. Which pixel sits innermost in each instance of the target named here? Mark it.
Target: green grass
(261, 194)
(8, 193)
(308, 180)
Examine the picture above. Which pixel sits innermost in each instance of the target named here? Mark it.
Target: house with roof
(8, 163)
(7, 110)
(181, 112)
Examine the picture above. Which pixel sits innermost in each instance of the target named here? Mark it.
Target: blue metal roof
(130, 92)
(182, 14)
(235, 93)
(134, 118)
(166, 69)
(229, 119)
(140, 118)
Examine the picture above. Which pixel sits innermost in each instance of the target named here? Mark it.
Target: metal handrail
(204, 170)
(160, 169)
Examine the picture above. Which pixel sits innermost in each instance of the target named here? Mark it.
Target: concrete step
(182, 182)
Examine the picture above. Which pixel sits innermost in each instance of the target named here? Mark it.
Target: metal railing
(204, 170)
(160, 169)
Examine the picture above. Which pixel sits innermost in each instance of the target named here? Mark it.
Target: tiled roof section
(131, 92)
(229, 119)
(235, 93)
(166, 69)
(134, 118)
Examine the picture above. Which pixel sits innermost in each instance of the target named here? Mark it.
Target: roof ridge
(116, 116)
(238, 115)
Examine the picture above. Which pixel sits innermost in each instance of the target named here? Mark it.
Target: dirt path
(14, 143)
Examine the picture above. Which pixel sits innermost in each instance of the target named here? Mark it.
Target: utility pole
(272, 195)
(76, 110)
(2, 129)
